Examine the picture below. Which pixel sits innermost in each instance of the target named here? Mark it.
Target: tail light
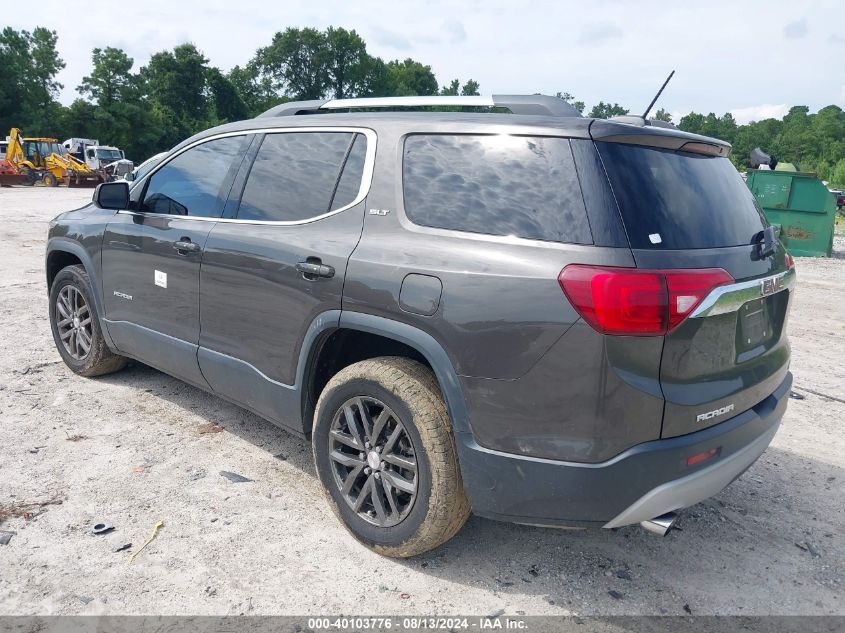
(789, 261)
(635, 301)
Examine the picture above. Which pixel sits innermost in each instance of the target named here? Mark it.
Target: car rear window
(679, 200)
(496, 184)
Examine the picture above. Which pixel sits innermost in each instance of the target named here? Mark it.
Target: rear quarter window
(495, 184)
(679, 200)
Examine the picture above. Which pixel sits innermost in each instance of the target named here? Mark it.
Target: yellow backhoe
(42, 160)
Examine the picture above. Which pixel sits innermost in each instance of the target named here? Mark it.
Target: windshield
(109, 154)
(679, 200)
(42, 148)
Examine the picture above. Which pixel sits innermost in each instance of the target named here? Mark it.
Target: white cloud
(389, 39)
(597, 33)
(455, 30)
(509, 47)
(760, 112)
(796, 30)
(677, 115)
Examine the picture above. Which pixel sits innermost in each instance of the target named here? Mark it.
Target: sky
(754, 59)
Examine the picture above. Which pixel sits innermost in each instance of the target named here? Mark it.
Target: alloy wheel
(73, 322)
(373, 461)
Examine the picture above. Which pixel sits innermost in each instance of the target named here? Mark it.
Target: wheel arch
(421, 346)
(61, 253)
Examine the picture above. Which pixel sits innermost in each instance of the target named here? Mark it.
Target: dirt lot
(133, 449)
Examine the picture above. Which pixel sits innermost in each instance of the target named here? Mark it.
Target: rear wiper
(766, 241)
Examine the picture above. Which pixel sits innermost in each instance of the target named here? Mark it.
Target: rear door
(278, 262)
(152, 252)
(689, 210)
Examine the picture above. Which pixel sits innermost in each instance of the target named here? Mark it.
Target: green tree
(347, 63)
(255, 90)
(111, 79)
(81, 119)
(46, 64)
(723, 127)
(692, 122)
(176, 85)
(29, 63)
(837, 175)
(469, 89)
(376, 79)
(570, 99)
(116, 111)
(15, 88)
(410, 77)
(604, 110)
(177, 81)
(115, 108)
(228, 104)
(453, 89)
(663, 115)
(297, 62)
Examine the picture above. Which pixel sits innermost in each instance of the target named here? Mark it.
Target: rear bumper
(643, 482)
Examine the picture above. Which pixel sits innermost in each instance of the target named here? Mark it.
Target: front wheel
(30, 177)
(386, 457)
(76, 328)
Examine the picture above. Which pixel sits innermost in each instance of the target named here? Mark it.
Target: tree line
(178, 93)
(813, 142)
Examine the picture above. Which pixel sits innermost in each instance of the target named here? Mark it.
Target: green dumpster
(801, 205)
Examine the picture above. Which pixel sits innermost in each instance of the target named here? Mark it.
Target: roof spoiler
(634, 119)
(542, 105)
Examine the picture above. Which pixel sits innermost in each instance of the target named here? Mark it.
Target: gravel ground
(139, 447)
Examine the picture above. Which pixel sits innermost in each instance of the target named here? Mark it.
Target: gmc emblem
(771, 285)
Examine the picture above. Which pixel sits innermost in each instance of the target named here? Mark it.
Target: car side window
(297, 175)
(193, 183)
(524, 186)
(350, 181)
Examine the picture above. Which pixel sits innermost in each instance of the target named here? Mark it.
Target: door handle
(315, 269)
(185, 246)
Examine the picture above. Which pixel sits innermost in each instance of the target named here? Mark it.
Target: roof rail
(517, 104)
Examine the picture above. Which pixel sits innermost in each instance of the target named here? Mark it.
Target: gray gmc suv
(514, 311)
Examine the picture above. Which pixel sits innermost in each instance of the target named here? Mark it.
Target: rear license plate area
(755, 324)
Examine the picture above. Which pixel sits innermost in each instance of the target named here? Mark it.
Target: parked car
(840, 197)
(537, 317)
(141, 170)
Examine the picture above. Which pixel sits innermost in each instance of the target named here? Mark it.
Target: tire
(30, 178)
(407, 390)
(49, 180)
(71, 294)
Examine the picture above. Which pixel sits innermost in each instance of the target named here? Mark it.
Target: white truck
(106, 159)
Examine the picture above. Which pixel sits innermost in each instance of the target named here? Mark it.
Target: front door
(278, 266)
(152, 255)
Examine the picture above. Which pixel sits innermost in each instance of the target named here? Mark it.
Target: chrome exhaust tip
(660, 525)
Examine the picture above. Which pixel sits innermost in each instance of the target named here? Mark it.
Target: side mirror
(129, 177)
(112, 195)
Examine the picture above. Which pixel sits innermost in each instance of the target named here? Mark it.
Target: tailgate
(729, 355)
(686, 210)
